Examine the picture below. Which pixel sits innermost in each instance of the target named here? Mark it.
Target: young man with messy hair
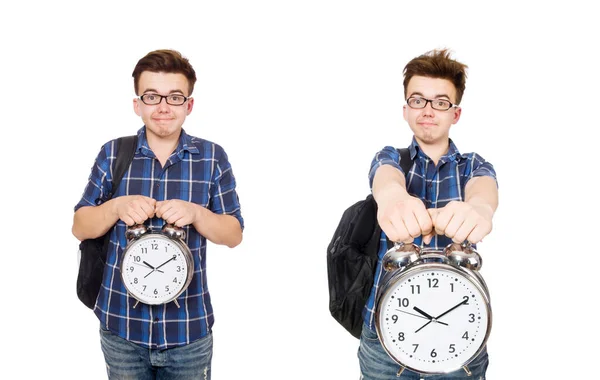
(174, 178)
(445, 197)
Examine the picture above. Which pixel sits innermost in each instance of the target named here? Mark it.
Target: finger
(181, 222)
(128, 220)
(401, 234)
(463, 232)
(147, 209)
(169, 214)
(423, 219)
(412, 225)
(453, 226)
(161, 208)
(479, 232)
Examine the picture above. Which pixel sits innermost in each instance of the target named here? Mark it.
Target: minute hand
(452, 308)
(161, 265)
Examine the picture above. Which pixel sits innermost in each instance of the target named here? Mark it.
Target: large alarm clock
(157, 266)
(433, 313)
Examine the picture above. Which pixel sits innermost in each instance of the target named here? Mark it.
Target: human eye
(150, 98)
(441, 103)
(175, 98)
(415, 102)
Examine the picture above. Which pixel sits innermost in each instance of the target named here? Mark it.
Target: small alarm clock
(157, 266)
(433, 313)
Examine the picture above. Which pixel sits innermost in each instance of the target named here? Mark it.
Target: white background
(302, 94)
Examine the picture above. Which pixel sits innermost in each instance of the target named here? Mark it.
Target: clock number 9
(395, 318)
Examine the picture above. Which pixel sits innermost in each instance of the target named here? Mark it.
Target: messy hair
(437, 64)
(164, 61)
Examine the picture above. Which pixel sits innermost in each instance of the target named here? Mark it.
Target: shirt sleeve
(387, 156)
(224, 198)
(481, 168)
(100, 180)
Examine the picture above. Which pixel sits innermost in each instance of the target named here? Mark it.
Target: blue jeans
(375, 363)
(126, 360)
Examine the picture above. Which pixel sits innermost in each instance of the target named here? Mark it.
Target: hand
(177, 212)
(462, 221)
(134, 209)
(404, 220)
(151, 267)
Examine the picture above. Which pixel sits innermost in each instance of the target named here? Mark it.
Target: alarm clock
(433, 313)
(157, 266)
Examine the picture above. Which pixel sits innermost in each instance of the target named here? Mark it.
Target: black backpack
(93, 251)
(352, 259)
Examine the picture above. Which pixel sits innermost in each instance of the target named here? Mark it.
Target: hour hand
(431, 319)
(151, 267)
(422, 313)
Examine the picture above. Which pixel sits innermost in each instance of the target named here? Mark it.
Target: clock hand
(172, 258)
(422, 312)
(420, 316)
(151, 267)
(423, 326)
(452, 308)
(415, 315)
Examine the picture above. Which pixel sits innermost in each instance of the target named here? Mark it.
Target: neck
(162, 146)
(435, 150)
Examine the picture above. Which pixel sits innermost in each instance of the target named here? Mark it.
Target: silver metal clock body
(433, 312)
(156, 267)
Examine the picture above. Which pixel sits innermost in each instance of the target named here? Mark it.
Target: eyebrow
(170, 92)
(437, 96)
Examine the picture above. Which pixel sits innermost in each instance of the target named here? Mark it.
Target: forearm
(218, 228)
(482, 192)
(389, 185)
(94, 221)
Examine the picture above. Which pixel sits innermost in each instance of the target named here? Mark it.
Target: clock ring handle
(135, 231)
(463, 255)
(401, 255)
(173, 231)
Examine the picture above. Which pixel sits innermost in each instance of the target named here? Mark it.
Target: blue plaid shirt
(435, 185)
(197, 171)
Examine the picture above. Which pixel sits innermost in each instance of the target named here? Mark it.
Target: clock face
(433, 319)
(155, 269)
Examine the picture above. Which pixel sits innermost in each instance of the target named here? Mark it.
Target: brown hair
(438, 64)
(164, 61)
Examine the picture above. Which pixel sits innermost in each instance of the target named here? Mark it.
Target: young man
(174, 178)
(446, 196)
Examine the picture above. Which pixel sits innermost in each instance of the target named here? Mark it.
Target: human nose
(428, 109)
(163, 106)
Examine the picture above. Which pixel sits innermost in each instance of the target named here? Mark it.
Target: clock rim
(471, 276)
(187, 256)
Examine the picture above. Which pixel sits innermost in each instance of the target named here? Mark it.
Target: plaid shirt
(197, 171)
(436, 186)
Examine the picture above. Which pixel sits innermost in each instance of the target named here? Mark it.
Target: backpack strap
(125, 147)
(405, 161)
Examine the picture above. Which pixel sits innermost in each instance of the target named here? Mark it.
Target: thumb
(429, 235)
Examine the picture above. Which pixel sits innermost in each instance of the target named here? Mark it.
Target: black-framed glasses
(154, 99)
(418, 102)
